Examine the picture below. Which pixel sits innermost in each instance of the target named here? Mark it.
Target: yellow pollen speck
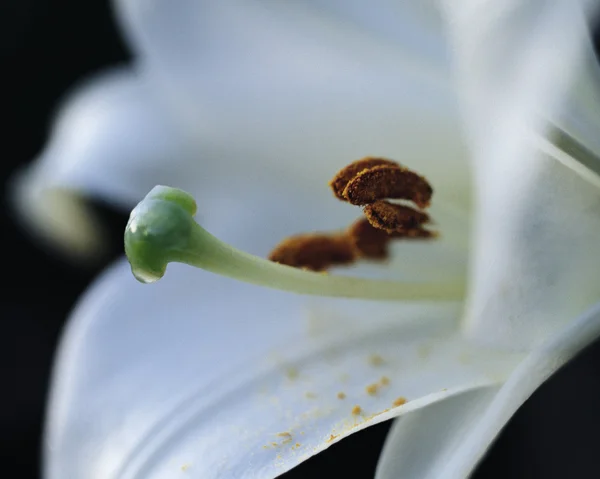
(291, 373)
(310, 395)
(185, 467)
(424, 350)
(399, 401)
(384, 380)
(375, 360)
(341, 395)
(356, 410)
(372, 389)
(331, 438)
(284, 434)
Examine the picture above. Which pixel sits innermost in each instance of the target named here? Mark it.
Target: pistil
(162, 229)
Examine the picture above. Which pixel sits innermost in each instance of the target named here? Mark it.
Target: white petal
(199, 371)
(579, 116)
(308, 87)
(420, 443)
(472, 434)
(115, 140)
(535, 259)
(296, 93)
(102, 134)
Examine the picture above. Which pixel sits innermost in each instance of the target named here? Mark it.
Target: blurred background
(49, 46)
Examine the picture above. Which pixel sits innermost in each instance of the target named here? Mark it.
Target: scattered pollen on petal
(372, 389)
(375, 360)
(342, 178)
(287, 437)
(356, 410)
(315, 252)
(185, 467)
(399, 401)
(384, 380)
(310, 395)
(388, 181)
(424, 350)
(392, 217)
(341, 395)
(291, 373)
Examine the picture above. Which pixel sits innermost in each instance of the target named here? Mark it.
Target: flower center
(369, 182)
(161, 229)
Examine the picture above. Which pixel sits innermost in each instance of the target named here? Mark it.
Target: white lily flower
(251, 106)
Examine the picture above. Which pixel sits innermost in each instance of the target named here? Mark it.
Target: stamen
(394, 218)
(161, 229)
(343, 177)
(386, 181)
(314, 252)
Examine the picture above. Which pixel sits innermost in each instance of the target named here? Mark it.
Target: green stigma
(159, 231)
(162, 229)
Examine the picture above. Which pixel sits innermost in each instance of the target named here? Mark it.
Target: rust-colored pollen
(343, 177)
(315, 252)
(368, 241)
(366, 182)
(416, 233)
(394, 218)
(388, 181)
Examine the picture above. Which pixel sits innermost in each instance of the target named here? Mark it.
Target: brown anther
(388, 181)
(394, 218)
(416, 233)
(343, 177)
(315, 252)
(369, 242)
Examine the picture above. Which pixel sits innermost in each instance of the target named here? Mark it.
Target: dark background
(48, 46)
